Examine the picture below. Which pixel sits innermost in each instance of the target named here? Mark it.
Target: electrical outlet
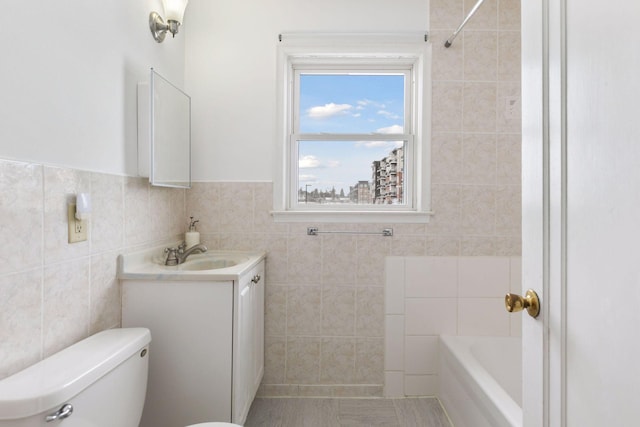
(77, 228)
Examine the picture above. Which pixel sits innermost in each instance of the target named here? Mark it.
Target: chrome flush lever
(61, 413)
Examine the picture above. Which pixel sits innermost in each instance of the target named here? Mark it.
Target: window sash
(351, 69)
(409, 173)
(355, 66)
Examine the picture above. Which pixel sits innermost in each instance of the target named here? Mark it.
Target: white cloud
(372, 144)
(388, 114)
(391, 130)
(308, 178)
(328, 110)
(308, 162)
(363, 103)
(390, 145)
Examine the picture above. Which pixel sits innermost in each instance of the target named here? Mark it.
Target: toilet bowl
(100, 381)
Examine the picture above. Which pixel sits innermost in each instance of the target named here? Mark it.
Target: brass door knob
(530, 302)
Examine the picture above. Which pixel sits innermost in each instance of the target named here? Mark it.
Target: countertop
(147, 265)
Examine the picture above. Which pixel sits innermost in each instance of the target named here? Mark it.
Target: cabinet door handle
(255, 278)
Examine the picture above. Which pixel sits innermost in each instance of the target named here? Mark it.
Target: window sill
(362, 217)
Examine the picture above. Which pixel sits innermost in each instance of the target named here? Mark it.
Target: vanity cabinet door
(190, 355)
(248, 342)
(242, 363)
(257, 301)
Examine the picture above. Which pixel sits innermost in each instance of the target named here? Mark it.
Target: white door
(581, 211)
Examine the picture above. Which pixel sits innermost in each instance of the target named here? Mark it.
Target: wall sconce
(174, 11)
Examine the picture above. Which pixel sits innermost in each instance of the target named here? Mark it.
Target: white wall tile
(394, 285)
(421, 355)
(394, 343)
(394, 384)
(515, 274)
(516, 287)
(421, 385)
(431, 316)
(516, 324)
(431, 277)
(483, 316)
(483, 276)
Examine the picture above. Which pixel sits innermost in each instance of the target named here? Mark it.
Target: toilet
(100, 381)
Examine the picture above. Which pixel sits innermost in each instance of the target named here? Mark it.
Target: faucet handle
(172, 256)
(182, 247)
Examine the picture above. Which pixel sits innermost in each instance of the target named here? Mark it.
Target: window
(353, 138)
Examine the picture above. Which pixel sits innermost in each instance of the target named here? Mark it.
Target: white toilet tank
(104, 379)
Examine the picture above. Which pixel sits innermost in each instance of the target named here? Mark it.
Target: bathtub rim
(486, 389)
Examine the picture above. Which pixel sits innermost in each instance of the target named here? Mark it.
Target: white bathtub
(481, 380)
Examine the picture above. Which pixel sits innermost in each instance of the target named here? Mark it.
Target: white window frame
(333, 53)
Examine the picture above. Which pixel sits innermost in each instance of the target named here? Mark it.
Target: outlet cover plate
(77, 228)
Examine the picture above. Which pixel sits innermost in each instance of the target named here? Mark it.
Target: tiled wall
(475, 142)
(429, 296)
(325, 294)
(53, 293)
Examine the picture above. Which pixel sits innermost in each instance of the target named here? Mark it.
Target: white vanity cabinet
(206, 355)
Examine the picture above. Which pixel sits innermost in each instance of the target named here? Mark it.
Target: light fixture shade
(174, 9)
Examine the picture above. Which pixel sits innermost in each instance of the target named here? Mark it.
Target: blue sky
(361, 104)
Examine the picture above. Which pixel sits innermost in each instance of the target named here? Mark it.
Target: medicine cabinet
(164, 133)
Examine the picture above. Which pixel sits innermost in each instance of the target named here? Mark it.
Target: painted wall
(231, 66)
(69, 78)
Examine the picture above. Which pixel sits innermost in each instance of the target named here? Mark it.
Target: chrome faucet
(176, 256)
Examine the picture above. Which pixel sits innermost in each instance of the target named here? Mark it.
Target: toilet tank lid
(63, 375)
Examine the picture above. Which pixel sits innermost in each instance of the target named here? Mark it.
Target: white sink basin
(211, 263)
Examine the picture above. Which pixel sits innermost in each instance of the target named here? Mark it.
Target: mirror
(164, 133)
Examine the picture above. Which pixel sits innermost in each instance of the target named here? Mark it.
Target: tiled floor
(333, 412)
